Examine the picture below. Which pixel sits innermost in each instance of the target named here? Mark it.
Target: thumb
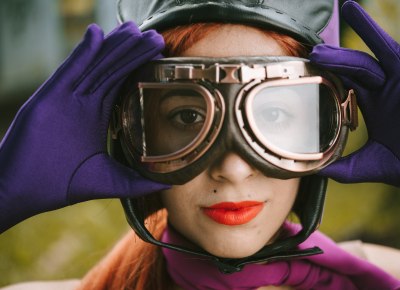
(372, 163)
(102, 177)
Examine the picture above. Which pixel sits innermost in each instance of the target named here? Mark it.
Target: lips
(233, 213)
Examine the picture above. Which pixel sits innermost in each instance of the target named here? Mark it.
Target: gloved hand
(377, 86)
(54, 153)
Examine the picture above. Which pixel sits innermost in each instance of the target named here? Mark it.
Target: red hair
(134, 264)
(181, 38)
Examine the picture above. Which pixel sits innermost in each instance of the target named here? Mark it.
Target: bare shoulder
(44, 285)
(386, 258)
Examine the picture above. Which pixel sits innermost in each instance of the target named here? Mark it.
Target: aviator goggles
(281, 114)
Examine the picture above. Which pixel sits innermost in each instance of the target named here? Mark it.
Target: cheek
(281, 204)
(172, 202)
(285, 196)
(180, 203)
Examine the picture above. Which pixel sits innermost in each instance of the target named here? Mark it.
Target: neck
(335, 269)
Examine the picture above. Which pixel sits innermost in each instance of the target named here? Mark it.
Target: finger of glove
(102, 177)
(372, 163)
(149, 47)
(356, 65)
(109, 86)
(84, 53)
(130, 43)
(121, 70)
(113, 46)
(385, 48)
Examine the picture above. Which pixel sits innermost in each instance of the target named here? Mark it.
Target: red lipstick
(234, 213)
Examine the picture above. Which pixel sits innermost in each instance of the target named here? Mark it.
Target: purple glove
(54, 153)
(377, 85)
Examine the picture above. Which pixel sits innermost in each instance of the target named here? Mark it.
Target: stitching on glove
(92, 68)
(69, 193)
(110, 74)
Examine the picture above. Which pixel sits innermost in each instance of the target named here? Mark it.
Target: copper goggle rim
(203, 134)
(284, 159)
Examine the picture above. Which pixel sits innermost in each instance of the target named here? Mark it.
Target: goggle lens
(173, 120)
(299, 119)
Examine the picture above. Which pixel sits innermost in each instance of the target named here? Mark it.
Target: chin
(232, 248)
(234, 253)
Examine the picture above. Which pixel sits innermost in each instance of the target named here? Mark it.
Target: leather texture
(303, 19)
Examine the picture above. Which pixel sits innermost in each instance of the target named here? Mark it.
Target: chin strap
(335, 269)
(312, 196)
(284, 249)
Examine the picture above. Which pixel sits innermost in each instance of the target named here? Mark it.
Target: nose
(231, 168)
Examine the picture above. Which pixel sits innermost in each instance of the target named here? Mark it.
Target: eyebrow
(183, 93)
(181, 96)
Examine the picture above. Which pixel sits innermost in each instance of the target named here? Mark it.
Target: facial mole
(215, 191)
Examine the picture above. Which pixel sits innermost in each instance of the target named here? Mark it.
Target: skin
(233, 179)
(284, 119)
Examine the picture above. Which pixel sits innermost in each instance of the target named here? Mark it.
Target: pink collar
(335, 269)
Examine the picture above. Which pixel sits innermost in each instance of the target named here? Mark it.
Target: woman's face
(231, 209)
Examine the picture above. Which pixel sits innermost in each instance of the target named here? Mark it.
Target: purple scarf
(334, 269)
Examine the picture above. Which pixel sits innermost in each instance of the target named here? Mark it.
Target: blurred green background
(35, 36)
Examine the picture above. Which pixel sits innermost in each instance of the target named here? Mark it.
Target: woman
(195, 207)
